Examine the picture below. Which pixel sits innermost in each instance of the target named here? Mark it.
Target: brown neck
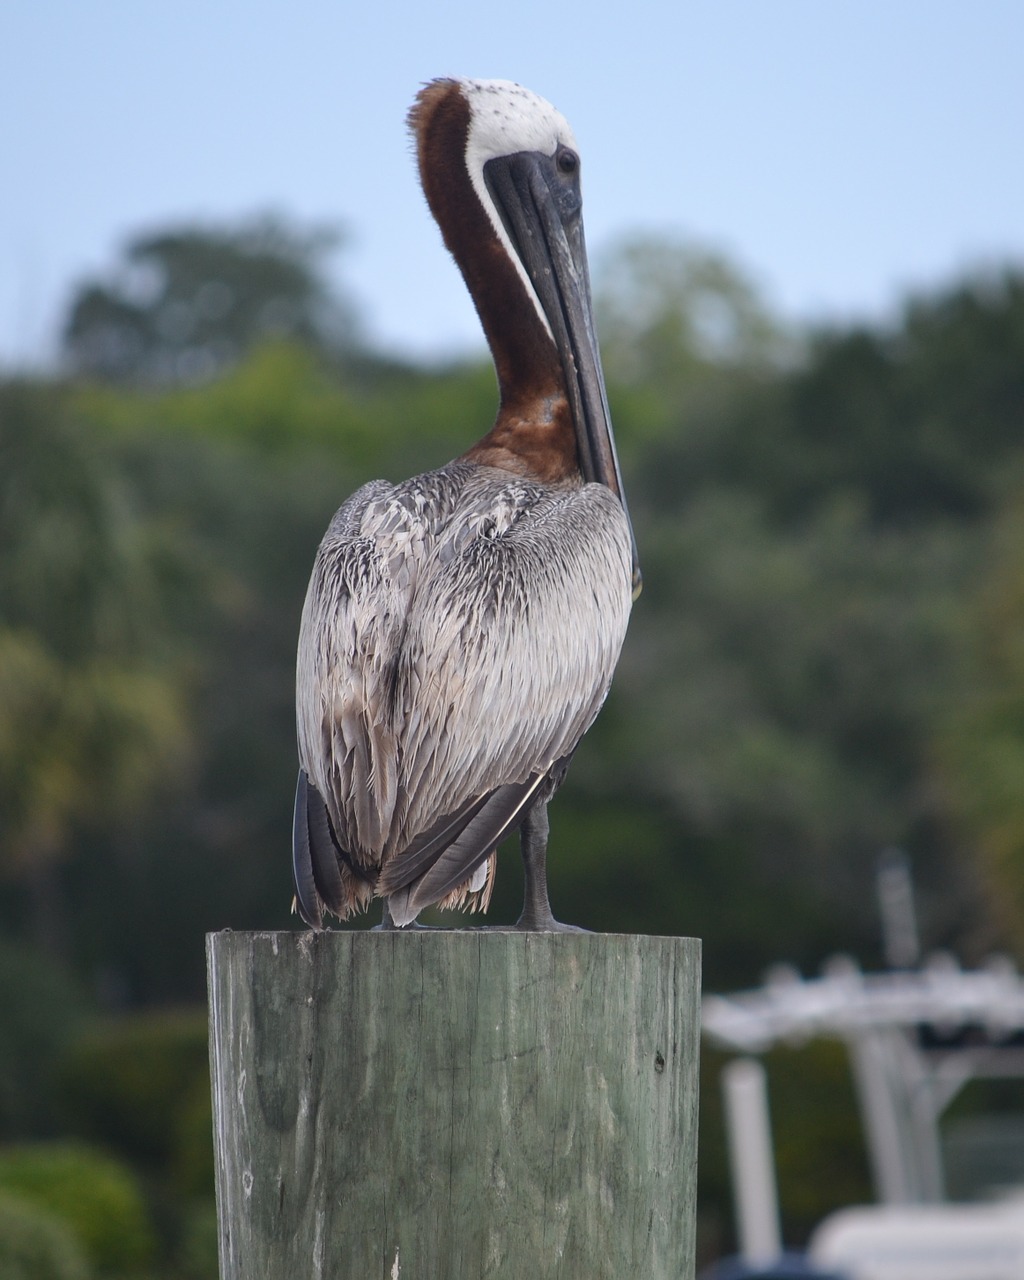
(533, 434)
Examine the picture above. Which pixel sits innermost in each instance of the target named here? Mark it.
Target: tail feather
(500, 814)
(401, 870)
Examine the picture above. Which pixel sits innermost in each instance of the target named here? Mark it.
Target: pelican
(461, 628)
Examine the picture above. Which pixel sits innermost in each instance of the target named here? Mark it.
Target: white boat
(915, 1036)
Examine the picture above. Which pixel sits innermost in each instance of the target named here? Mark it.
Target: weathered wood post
(439, 1105)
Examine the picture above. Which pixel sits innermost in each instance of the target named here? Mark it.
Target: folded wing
(459, 637)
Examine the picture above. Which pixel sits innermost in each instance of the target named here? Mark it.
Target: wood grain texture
(454, 1105)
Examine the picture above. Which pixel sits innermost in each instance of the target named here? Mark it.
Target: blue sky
(840, 152)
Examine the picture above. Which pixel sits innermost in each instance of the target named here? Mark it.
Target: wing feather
(306, 897)
(510, 649)
(459, 636)
(498, 817)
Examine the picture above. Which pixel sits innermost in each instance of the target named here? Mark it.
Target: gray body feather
(459, 635)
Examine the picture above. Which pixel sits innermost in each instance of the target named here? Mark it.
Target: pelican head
(500, 168)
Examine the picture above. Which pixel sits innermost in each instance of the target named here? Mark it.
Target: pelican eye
(568, 161)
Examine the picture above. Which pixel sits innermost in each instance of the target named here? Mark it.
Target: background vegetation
(826, 661)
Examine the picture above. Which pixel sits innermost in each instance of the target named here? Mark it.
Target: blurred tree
(778, 694)
(982, 742)
(669, 310)
(809, 537)
(38, 1245)
(826, 656)
(683, 332)
(801, 634)
(919, 421)
(91, 703)
(187, 303)
(96, 1195)
(41, 1009)
(241, 477)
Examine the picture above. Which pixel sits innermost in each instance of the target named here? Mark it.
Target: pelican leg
(533, 843)
(386, 920)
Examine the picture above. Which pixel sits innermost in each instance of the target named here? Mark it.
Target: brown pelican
(461, 629)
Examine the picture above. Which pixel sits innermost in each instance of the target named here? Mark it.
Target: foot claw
(546, 925)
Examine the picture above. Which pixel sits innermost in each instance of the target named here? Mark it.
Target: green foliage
(80, 567)
(808, 531)
(91, 715)
(192, 1167)
(917, 423)
(244, 507)
(981, 744)
(37, 1245)
(808, 544)
(799, 675)
(141, 1084)
(95, 1195)
(671, 314)
(281, 400)
(188, 303)
(74, 738)
(820, 1157)
(197, 1252)
(41, 1008)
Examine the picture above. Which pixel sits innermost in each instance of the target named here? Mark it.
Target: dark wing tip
(324, 852)
(317, 858)
(306, 897)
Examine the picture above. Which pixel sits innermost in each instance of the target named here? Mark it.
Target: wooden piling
(435, 1105)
